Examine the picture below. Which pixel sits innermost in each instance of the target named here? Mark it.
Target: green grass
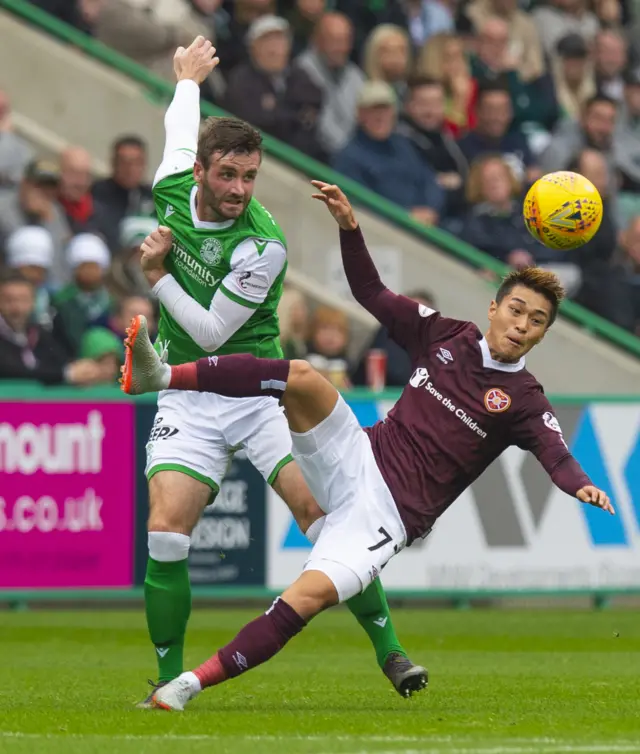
(501, 683)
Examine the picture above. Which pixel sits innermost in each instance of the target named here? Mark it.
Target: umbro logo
(382, 622)
(241, 661)
(162, 651)
(445, 356)
(169, 210)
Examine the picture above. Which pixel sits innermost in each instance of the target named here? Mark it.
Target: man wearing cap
(36, 204)
(387, 162)
(85, 302)
(271, 95)
(29, 252)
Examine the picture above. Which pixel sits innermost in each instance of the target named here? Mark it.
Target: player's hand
(155, 248)
(337, 203)
(196, 61)
(594, 496)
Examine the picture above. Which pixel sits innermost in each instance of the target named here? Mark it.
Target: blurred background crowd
(449, 108)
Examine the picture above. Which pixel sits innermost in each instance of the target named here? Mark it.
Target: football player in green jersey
(217, 264)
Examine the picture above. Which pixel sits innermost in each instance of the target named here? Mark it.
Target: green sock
(167, 598)
(372, 612)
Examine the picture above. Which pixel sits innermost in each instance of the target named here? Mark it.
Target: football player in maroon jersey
(469, 398)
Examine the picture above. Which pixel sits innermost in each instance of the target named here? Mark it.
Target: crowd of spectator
(449, 108)
(70, 280)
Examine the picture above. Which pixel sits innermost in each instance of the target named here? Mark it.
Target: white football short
(197, 434)
(363, 529)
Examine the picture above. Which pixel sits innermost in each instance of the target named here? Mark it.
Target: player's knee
(301, 375)
(168, 547)
(167, 521)
(312, 593)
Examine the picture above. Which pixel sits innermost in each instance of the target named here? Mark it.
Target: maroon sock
(236, 375)
(256, 643)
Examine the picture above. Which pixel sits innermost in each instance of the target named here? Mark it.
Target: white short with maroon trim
(363, 529)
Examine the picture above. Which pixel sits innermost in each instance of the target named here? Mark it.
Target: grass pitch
(500, 683)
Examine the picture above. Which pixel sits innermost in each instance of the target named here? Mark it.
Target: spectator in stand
(387, 57)
(423, 123)
(149, 31)
(328, 65)
(36, 204)
(494, 221)
(105, 349)
(399, 367)
(328, 343)
(572, 72)
(126, 277)
(232, 28)
(74, 193)
(85, 302)
(27, 350)
(366, 16)
(600, 287)
(125, 192)
(126, 309)
(425, 18)
(15, 153)
(595, 129)
(524, 46)
(493, 63)
(628, 255)
(293, 314)
(627, 136)
(610, 61)
(495, 224)
(30, 252)
(492, 134)
(387, 162)
(443, 59)
(303, 19)
(561, 17)
(273, 95)
(83, 14)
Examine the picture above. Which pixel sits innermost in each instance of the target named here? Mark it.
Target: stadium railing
(162, 91)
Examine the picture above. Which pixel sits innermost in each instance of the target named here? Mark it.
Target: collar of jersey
(202, 224)
(489, 363)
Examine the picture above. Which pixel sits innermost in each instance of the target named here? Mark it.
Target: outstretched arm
(182, 119)
(539, 431)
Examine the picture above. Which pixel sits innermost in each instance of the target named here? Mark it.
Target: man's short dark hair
(491, 87)
(417, 82)
(541, 281)
(129, 140)
(10, 277)
(227, 135)
(599, 99)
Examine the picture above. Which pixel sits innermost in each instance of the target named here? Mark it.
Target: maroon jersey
(460, 410)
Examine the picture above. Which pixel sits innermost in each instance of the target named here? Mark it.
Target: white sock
(165, 376)
(313, 532)
(192, 678)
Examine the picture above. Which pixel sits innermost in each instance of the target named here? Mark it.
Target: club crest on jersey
(211, 251)
(496, 400)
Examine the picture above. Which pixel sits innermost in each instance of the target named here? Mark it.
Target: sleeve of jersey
(255, 265)
(182, 124)
(209, 329)
(539, 432)
(413, 326)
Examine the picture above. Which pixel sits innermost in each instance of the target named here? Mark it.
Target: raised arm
(182, 119)
(410, 324)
